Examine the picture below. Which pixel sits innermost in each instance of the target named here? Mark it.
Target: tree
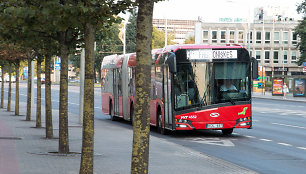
(13, 54)
(2, 62)
(38, 98)
(190, 40)
(158, 38)
(95, 15)
(108, 43)
(131, 32)
(300, 30)
(141, 123)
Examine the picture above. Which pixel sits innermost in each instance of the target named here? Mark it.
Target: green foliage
(107, 43)
(158, 38)
(301, 31)
(131, 32)
(190, 40)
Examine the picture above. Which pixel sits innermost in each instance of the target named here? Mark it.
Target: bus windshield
(205, 83)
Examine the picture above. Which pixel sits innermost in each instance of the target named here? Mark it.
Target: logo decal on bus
(243, 111)
(214, 114)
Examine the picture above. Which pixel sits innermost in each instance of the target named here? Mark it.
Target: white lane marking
(248, 136)
(265, 140)
(284, 144)
(303, 148)
(213, 141)
(283, 114)
(287, 125)
(73, 103)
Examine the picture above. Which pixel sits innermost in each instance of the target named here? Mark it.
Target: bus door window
(153, 88)
(159, 81)
(131, 84)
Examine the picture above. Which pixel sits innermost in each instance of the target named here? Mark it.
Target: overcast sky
(212, 10)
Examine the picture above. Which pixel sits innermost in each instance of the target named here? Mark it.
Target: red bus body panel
(106, 97)
(227, 116)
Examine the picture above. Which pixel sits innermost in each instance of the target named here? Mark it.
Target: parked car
(43, 80)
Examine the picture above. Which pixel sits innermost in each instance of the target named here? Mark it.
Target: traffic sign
(304, 66)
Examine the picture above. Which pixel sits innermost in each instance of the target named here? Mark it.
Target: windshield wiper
(229, 98)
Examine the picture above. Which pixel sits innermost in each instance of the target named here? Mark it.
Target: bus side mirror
(171, 61)
(254, 68)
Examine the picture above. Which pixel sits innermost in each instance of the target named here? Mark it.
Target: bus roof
(115, 61)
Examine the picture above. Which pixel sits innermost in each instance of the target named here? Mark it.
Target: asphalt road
(276, 144)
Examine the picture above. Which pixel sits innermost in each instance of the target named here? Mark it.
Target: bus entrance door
(116, 91)
(168, 121)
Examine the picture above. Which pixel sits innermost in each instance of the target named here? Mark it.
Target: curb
(291, 100)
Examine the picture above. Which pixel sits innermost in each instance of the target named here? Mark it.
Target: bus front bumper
(239, 123)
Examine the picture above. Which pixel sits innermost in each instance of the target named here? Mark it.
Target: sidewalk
(268, 95)
(23, 150)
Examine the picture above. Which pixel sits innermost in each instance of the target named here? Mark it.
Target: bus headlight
(181, 121)
(243, 124)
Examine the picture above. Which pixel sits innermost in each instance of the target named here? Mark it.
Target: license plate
(212, 126)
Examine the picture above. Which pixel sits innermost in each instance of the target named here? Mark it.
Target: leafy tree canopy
(301, 31)
(158, 38)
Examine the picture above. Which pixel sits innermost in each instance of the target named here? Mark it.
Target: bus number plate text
(212, 126)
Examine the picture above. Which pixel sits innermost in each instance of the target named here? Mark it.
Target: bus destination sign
(211, 54)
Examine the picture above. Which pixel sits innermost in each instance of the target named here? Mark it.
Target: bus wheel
(227, 131)
(160, 128)
(111, 113)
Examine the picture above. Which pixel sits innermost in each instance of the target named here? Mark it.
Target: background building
(272, 40)
(180, 28)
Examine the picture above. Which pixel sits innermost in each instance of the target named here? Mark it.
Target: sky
(211, 11)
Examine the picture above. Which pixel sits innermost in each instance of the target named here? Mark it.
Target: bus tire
(111, 112)
(159, 123)
(227, 131)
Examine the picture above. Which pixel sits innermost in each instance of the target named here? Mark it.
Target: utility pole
(166, 33)
(82, 78)
(32, 83)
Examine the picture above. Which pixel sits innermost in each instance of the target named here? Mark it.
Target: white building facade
(273, 44)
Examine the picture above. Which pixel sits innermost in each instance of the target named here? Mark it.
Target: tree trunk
(88, 113)
(141, 127)
(10, 88)
(2, 87)
(28, 116)
(48, 103)
(38, 102)
(99, 74)
(63, 105)
(17, 88)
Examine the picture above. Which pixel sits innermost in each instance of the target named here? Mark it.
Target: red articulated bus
(193, 87)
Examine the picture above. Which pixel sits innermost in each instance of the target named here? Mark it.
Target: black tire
(111, 113)
(159, 123)
(227, 131)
